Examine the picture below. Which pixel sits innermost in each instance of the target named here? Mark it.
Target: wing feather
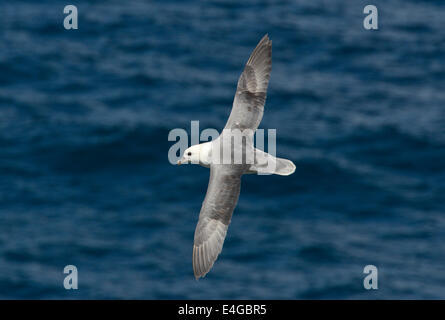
(214, 218)
(248, 104)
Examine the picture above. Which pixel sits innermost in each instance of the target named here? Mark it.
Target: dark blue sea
(85, 178)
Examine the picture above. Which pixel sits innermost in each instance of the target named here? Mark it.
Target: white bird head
(192, 155)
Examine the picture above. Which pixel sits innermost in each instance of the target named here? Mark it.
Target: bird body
(230, 156)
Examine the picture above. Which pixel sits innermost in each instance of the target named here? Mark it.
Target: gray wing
(248, 105)
(214, 218)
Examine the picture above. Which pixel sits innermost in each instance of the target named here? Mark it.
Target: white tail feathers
(267, 164)
(284, 167)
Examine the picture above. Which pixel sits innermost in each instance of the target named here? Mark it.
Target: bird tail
(284, 167)
(266, 163)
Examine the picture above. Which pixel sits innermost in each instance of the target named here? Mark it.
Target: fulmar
(230, 156)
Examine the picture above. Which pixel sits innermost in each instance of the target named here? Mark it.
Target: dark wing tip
(262, 54)
(202, 262)
(206, 252)
(256, 74)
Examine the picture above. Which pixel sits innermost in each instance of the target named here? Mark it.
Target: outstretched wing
(248, 105)
(214, 218)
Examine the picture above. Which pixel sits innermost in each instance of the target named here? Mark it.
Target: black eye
(189, 154)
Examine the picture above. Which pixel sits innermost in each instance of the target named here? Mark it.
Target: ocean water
(85, 178)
